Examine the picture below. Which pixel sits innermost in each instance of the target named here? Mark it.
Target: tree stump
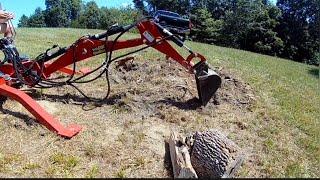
(205, 155)
(213, 155)
(180, 158)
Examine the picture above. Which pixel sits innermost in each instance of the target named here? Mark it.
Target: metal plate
(208, 82)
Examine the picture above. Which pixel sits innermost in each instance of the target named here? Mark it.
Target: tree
(106, 18)
(261, 36)
(251, 26)
(291, 29)
(299, 28)
(179, 6)
(218, 8)
(123, 16)
(56, 14)
(37, 19)
(92, 16)
(75, 7)
(61, 13)
(206, 28)
(245, 24)
(23, 22)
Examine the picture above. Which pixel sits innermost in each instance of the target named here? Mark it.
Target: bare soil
(125, 136)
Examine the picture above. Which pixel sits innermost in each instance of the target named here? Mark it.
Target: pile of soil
(163, 88)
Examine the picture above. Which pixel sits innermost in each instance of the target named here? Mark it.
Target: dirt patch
(124, 136)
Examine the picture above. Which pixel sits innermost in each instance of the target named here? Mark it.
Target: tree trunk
(213, 155)
(180, 158)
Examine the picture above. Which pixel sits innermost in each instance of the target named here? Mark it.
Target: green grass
(288, 107)
(289, 94)
(63, 164)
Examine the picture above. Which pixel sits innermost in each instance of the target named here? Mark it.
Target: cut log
(213, 155)
(180, 158)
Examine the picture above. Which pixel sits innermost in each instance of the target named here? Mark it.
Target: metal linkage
(36, 73)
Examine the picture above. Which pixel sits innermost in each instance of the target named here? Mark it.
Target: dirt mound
(149, 86)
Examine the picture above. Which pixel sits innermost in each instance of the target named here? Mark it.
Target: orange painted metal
(164, 47)
(70, 71)
(85, 49)
(82, 50)
(38, 112)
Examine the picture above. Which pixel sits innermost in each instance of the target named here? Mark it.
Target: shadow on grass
(27, 119)
(79, 100)
(191, 104)
(314, 72)
(167, 160)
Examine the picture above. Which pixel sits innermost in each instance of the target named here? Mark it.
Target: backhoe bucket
(208, 82)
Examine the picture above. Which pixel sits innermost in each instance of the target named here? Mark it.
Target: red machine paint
(83, 50)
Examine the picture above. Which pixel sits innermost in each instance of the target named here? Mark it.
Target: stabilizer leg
(38, 112)
(69, 71)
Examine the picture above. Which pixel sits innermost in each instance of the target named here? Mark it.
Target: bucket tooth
(208, 82)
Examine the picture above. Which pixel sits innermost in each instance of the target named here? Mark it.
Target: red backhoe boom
(15, 71)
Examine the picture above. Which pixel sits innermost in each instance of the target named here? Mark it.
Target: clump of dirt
(125, 135)
(234, 91)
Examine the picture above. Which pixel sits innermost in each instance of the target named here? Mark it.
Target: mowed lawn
(287, 107)
(289, 104)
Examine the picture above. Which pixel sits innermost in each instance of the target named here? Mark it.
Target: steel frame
(84, 49)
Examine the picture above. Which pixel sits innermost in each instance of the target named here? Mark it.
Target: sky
(27, 7)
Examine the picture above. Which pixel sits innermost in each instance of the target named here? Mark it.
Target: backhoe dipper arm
(87, 48)
(16, 70)
(153, 35)
(90, 46)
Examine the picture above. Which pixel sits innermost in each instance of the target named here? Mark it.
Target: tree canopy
(77, 14)
(289, 29)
